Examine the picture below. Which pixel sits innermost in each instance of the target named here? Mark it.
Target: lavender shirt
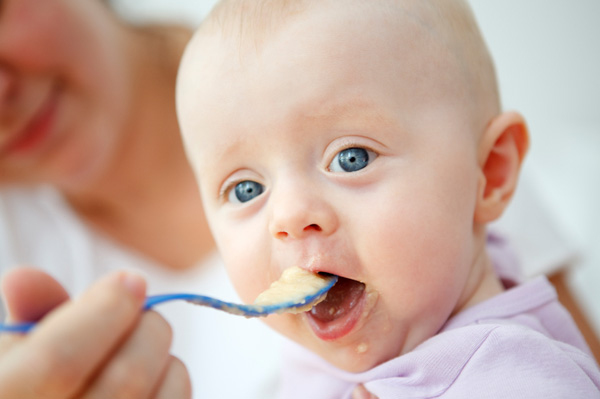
(519, 344)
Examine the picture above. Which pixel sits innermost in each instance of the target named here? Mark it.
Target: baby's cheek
(244, 266)
(244, 282)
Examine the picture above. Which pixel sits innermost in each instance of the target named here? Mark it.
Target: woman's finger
(176, 383)
(138, 365)
(28, 295)
(59, 356)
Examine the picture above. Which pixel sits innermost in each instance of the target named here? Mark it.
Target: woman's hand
(99, 346)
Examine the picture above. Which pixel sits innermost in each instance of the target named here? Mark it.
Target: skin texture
(410, 225)
(86, 105)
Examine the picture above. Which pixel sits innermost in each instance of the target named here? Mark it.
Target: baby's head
(358, 138)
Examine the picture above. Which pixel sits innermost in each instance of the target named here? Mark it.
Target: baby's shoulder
(511, 360)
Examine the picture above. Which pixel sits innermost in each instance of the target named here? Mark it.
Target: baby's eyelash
(348, 143)
(226, 188)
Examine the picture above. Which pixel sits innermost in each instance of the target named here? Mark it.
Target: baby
(365, 139)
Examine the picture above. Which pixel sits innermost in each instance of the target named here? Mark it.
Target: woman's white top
(227, 356)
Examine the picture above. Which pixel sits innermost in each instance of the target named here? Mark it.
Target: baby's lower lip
(337, 315)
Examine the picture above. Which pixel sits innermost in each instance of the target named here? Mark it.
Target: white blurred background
(547, 55)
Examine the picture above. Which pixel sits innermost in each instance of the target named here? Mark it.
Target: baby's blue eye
(245, 191)
(351, 160)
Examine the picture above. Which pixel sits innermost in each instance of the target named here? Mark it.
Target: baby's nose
(297, 215)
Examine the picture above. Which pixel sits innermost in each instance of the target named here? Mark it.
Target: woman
(94, 178)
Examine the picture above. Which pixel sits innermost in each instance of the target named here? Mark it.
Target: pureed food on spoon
(294, 285)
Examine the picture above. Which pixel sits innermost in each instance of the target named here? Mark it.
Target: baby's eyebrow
(353, 114)
(355, 111)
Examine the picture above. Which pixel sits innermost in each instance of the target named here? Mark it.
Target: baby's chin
(357, 356)
(346, 330)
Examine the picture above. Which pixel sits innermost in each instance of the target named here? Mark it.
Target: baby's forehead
(444, 27)
(441, 32)
(239, 31)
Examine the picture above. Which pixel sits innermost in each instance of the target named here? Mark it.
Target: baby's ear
(501, 151)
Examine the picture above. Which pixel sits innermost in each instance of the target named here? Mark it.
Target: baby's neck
(483, 282)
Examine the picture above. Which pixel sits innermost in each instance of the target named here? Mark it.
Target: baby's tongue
(340, 299)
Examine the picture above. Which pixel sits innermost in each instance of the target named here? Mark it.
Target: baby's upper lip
(315, 255)
(320, 264)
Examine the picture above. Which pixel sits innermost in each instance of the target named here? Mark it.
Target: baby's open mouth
(335, 316)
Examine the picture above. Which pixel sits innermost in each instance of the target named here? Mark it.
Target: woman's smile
(36, 130)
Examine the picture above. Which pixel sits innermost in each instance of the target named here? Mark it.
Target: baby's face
(339, 150)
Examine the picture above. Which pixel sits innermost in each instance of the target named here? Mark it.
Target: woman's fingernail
(134, 283)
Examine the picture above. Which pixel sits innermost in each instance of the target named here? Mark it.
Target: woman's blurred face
(63, 91)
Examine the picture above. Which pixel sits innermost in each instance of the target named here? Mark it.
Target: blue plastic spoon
(309, 296)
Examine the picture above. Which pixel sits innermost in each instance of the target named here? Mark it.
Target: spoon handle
(229, 307)
(18, 328)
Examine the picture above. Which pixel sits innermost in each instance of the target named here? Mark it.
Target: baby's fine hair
(446, 24)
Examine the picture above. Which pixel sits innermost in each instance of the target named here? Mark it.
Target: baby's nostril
(313, 226)
(282, 234)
